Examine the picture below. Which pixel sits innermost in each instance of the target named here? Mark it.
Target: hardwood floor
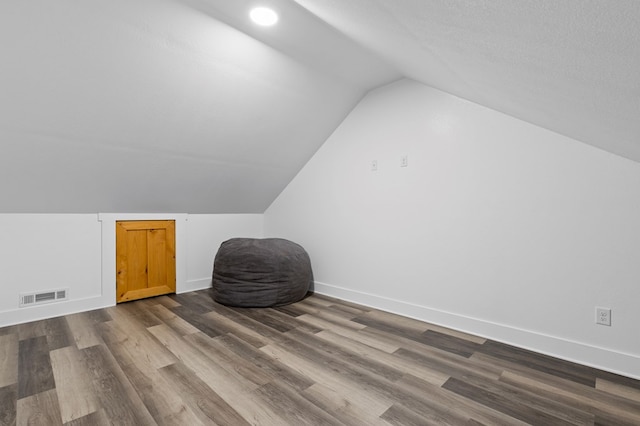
(186, 360)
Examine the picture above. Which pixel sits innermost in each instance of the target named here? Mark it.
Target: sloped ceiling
(184, 106)
(571, 66)
(161, 106)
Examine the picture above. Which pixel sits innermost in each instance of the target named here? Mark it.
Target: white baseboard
(56, 309)
(581, 353)
(52, 310)
(193, 285)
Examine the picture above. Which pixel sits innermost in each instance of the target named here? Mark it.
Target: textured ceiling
(184, 106)
(571, 66)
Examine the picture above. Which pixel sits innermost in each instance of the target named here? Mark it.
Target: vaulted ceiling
(185, 106)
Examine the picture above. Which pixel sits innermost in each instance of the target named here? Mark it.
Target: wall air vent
(30, 299)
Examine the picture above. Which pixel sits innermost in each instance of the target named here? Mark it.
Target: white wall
(496, 227)
(44, 252)
(40, 252)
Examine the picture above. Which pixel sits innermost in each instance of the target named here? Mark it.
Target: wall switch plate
(404, 161)
(603, 316)
(374, 165)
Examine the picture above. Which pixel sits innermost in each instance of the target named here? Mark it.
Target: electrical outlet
(374, 165)
(603, 316)
(404, 161)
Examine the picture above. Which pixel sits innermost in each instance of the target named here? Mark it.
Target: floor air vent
(43, 297)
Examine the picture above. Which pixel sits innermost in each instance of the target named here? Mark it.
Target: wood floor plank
(557, 367)
(204, 298)
(166, 301)
(140, 355)
(137, 342)
(535, 402)
(620, 411)
(277, 370)
(83, 328)
(502, 403)
(314, 314)
(135, 358)
(8, 404)
(343, 312)
(196, 359)
(136, 311)
(400, 364)
(445, 363)
(468, 408)
(56, 330)
(192, 303)
(291, 310)
(318, 301)
(617, 379)
(198, 320)
(8, 359)
(232, 388)
(227, 359)
(386, 327)
(399, 415)
(396, 322)
(73, 384)
(10, 329)
(341, 407)
(115, 393)
(169, 318)
(358, 371)
(34, 364)
(203, 401)
(450, 343)
(348, 311)
(352, 393)
(581, 396)
(245, 333)
(39, 409)
(273, 319)
(603, 405)
(96, 316)
(365, 378)
(618, 389)
(185, 359)
(59, 334)
(98, 418)
(458, 334)
(359, 335)
(415, 342)
(346, 355)
(409, 331)
(293, 408)
(281, 323)
(324, 300)
(158, 394)
(32, 329)
(238, 316)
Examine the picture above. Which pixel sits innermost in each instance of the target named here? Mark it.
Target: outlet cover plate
(603, 316)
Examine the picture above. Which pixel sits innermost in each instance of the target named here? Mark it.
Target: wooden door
(145, 259)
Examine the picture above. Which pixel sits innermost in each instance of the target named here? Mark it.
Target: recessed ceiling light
(263, 16)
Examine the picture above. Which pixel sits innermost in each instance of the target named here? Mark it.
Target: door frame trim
(109, 220)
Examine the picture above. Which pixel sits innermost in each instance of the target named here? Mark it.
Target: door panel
(156, 259)
(145, 259)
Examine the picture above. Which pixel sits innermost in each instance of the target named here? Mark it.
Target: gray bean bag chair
(260, 273)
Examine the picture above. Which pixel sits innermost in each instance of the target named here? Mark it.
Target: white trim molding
(197, 284)
(51, 310)
(581, 353)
